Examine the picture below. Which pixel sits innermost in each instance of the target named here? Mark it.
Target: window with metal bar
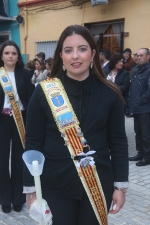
(3, 8)
(4, 36)
(48, 47)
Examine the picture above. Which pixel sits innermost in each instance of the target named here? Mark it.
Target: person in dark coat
(127, 59)
(140, 107)
(128, 112)
(11, 183)
(105, 56)
(98, 105)
(118, 75)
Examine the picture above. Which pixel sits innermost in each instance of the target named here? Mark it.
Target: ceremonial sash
(9, 92)
(68, 125)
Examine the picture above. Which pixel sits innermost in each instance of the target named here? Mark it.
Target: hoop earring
(63, 67)
(91, 65)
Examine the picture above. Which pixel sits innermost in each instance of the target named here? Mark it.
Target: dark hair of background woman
(96, 70)
(19, 63)
(114, 60)
(30, 65)
(41, 55)
(41, 62)
(49, 61)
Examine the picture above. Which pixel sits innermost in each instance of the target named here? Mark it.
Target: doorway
(109, 35)
(110, 42)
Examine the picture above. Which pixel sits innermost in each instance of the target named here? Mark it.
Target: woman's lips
(76, 65)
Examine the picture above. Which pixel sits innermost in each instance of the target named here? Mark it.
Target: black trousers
(142, 131)
(11, 183)
(67, 211)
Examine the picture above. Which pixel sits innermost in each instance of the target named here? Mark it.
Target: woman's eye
(7, 53)
(82, 49)
(68, 50)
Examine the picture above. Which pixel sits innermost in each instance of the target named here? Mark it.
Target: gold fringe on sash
(68, 125)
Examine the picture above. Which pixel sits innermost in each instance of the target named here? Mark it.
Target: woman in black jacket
(98, 108)
(118, 75)
(11, 183)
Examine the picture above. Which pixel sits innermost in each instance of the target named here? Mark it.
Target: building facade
(117, 25)
(9, 29)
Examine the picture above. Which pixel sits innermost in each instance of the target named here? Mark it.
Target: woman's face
(47, 67)
(77, 56)
(10, 56)
(38, 66)
(119, 64)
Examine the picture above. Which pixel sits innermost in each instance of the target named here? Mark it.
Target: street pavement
(136, 210)
(137, 207)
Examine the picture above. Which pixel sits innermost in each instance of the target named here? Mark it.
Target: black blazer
(123, 81)
(106, 69)
(24, 87)
(103, 129)
(139, 101)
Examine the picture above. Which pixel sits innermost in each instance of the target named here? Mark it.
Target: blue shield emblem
(58, 100)
(8, 89)
(4, 79)
(65, 119)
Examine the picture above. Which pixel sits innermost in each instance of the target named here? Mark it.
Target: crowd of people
(82, 108)
(132, 76)
(39, 68)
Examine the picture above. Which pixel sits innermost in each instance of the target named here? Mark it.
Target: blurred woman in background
(118, 75)
(49, 65)
(15, 92)
(40, 73)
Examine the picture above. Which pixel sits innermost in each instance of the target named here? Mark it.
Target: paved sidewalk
(137, 207)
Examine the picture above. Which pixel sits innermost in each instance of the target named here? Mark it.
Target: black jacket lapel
(94, 102)
(96, 90)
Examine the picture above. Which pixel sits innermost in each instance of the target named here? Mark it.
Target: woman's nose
(75, 54)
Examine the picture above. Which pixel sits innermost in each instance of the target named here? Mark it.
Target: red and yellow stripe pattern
(89, 178)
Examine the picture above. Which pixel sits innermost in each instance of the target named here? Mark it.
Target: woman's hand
(118, 200)
(30, 199)
(36, 74)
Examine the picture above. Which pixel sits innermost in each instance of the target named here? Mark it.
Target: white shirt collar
(105, 64)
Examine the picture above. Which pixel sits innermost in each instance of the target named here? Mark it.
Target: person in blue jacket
(140, 107)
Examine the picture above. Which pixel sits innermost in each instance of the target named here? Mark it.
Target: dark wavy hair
(114, 60)
(96, 70)
(19, 63)
(49, 61)
(106, 53)
(41, 55)
(41, 62)
(30, 65)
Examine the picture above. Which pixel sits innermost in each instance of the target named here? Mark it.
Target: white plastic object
(33, 155)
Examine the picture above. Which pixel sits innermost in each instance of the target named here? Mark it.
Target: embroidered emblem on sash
(8, 89)
(58, 100)
(65, 119)
(4, 79)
